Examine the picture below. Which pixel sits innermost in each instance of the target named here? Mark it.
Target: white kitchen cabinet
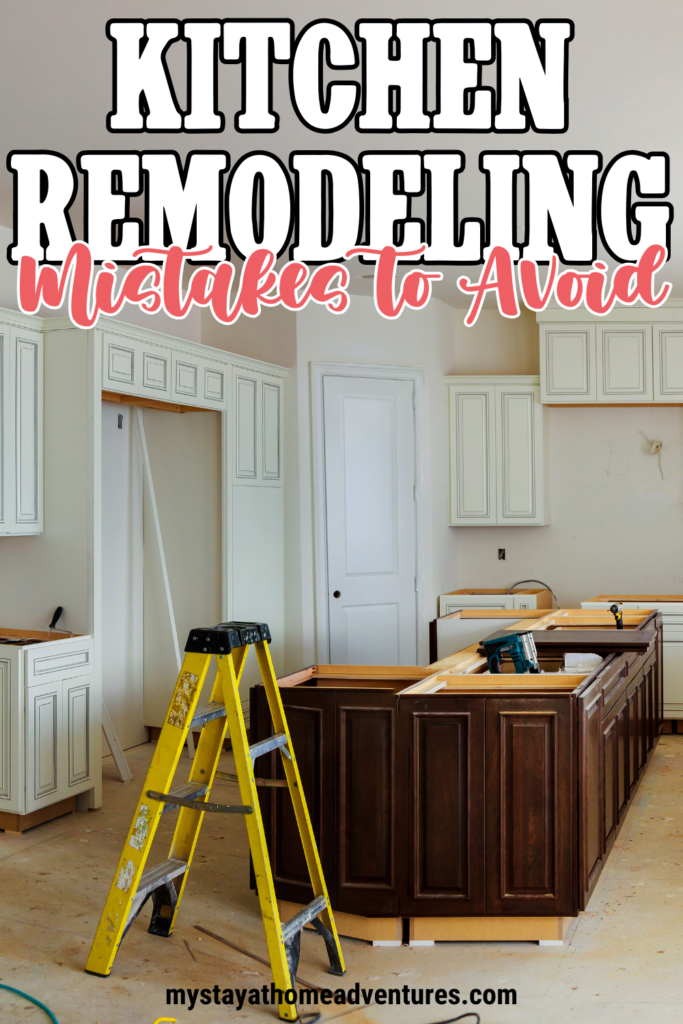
(146, 364)
(667, 351)
(567, 363)
(671, 608)
(624, 363)
(497, 599)
(632, 356)
(496, 452)
(21, 427)
(47, 724)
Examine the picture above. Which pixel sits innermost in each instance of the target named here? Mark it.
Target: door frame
(318, 370)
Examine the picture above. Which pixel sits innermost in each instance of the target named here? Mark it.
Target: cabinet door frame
(486, 393)
(557, 716)
(610, 396)
(36, 697)
(663, 391)
(554, 394)
(413, 836)
(504, 456)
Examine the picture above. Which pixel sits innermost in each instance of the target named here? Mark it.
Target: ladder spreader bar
(190, 791)
(199, 805)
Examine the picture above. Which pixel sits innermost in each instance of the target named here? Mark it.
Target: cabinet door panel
(78, 732)
(568, 365)
(366, 730)
(44, 753)
(442, 829)
(530, 808)
(271, 431)
(624, 363)
(519, 456)
(668, 362)
(246, 427)
(7, 738)
(516, 441)
(311, 718)
(472, 457)
(27, 428)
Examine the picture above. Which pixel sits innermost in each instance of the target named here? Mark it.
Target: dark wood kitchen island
(476, 806)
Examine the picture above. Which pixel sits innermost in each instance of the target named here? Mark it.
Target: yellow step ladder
(133, 885)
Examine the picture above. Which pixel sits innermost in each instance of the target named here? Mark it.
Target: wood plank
(21, 822)
(150, 403)
(489, 929)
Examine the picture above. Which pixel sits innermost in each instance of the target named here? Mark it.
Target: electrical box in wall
(496, 452)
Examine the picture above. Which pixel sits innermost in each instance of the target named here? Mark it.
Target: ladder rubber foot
(96, 974)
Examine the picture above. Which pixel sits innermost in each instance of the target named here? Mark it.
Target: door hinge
(413, 397)
(414, 492)
(415, 580)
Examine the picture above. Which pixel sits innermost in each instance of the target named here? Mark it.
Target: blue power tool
(519, 645)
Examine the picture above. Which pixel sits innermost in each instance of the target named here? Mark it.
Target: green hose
(37, 1002)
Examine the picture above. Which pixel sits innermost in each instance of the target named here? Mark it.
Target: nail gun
(519, 645)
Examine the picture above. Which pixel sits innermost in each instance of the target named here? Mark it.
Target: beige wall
(38, 573)
(185, 456)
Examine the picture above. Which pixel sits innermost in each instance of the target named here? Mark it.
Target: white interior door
(369, 445)
(122, 573)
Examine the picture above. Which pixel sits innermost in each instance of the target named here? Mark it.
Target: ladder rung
(296, 923)
(273, 783)
(264, 746)
(191, 790)
(160, 874)
(207, 714)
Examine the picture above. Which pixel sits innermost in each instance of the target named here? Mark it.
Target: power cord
(519, 582)
(36, 1002)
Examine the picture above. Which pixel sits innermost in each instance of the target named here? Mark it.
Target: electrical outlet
(501, 554)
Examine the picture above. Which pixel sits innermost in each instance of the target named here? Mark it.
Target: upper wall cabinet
(496, 452)
(258, 427)
(628, 358)
(21, 428)
(151, 366)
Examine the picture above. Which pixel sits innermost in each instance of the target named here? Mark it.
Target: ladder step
(151, 879)
(160, 874)
(207, 714)
(190, 791)
(264, 746)
(296, 923)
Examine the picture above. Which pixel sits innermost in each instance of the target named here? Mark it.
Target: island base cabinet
(450, 804)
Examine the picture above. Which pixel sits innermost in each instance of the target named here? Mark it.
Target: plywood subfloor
(620, 961)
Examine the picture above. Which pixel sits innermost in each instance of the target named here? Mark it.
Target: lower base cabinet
(447, 805)
(48, 718)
